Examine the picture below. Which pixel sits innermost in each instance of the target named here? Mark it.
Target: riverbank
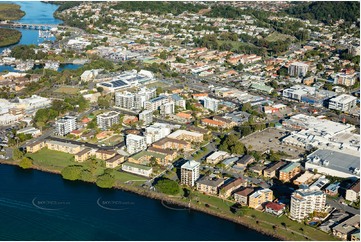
(9, 37)
(251, 219)
(10, 11)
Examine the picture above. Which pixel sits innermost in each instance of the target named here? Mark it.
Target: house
(183, 117)
(114, 161)
(216, 157)
(209, 184)
(346, 228)
(243, 195)
(137, 169)
(353, 193)
(227, 189)
(259, 197)
(275, 208)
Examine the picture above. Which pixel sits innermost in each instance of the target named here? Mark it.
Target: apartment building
(114, 162)
(63, 147)
(137, 169)
(343, 103)
(272, 171)
(146, 116)
(84, 155)
(156, 132)
(173, 144)
(345, 229)
(298, 69)
(227, 189)
(190, 173)
(135, 143)
(186, 135)
(344, 79)
(259, 197)
(242, 196)
(209, 184)
(305, 201)
(167, 108)
(211, 104)
(107, 120)
(65, 125)
(289, 171)
(125, 100)
(353, 193)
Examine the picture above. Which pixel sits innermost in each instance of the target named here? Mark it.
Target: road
(342, 207)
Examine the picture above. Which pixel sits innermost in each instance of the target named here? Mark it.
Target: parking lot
(269, 139)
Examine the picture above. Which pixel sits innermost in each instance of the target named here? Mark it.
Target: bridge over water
(31, 26)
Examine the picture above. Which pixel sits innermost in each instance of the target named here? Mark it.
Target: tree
(105, 181)
(25, 163)
(17, 154)
(167, 186)
(100, 89)
(86, 175)
(71, 172)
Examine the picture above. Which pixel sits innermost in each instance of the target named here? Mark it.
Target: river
(41, 206)
(35, 205)
(36, 13)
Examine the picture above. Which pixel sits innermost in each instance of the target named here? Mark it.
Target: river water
(40, 206)
(36, 13)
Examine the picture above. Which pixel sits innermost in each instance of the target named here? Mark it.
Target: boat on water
(24, 66)
(52, 65)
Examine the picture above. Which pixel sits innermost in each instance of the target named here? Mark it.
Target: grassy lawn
(122, 177)
(67, 90)
(113, 140)
(290, 224)
(275, 36)
(52, 159)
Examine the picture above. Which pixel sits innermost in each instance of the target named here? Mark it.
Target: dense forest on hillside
(326, 12)
(175, 8)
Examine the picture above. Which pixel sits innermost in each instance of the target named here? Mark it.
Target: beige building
(209, 185)
(84, 155)
(186, 135)
(105, 154)
(272, 171)
(114, 161)
(226, 190)
(346, 228)
(35, 147)
(258, 198)
(63, 147)
(242, 196)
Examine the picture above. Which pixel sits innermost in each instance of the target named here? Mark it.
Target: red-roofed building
(275, 208)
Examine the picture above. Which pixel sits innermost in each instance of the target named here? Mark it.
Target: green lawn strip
(290, 224)
(52, 159)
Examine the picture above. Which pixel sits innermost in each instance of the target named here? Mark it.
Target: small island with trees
(9, 12)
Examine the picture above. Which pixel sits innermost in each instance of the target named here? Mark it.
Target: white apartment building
(305, 201)
(65, 125)
(146, 116)
(135, 143)
(167, 108)
(136, 100)
(107, 120)
(344, 103)
(156, 132)
(125, 100)
(190, 173)
(211, 104)
(155, 103)
(298, 69)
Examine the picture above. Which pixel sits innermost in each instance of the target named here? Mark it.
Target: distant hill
(326, 12)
